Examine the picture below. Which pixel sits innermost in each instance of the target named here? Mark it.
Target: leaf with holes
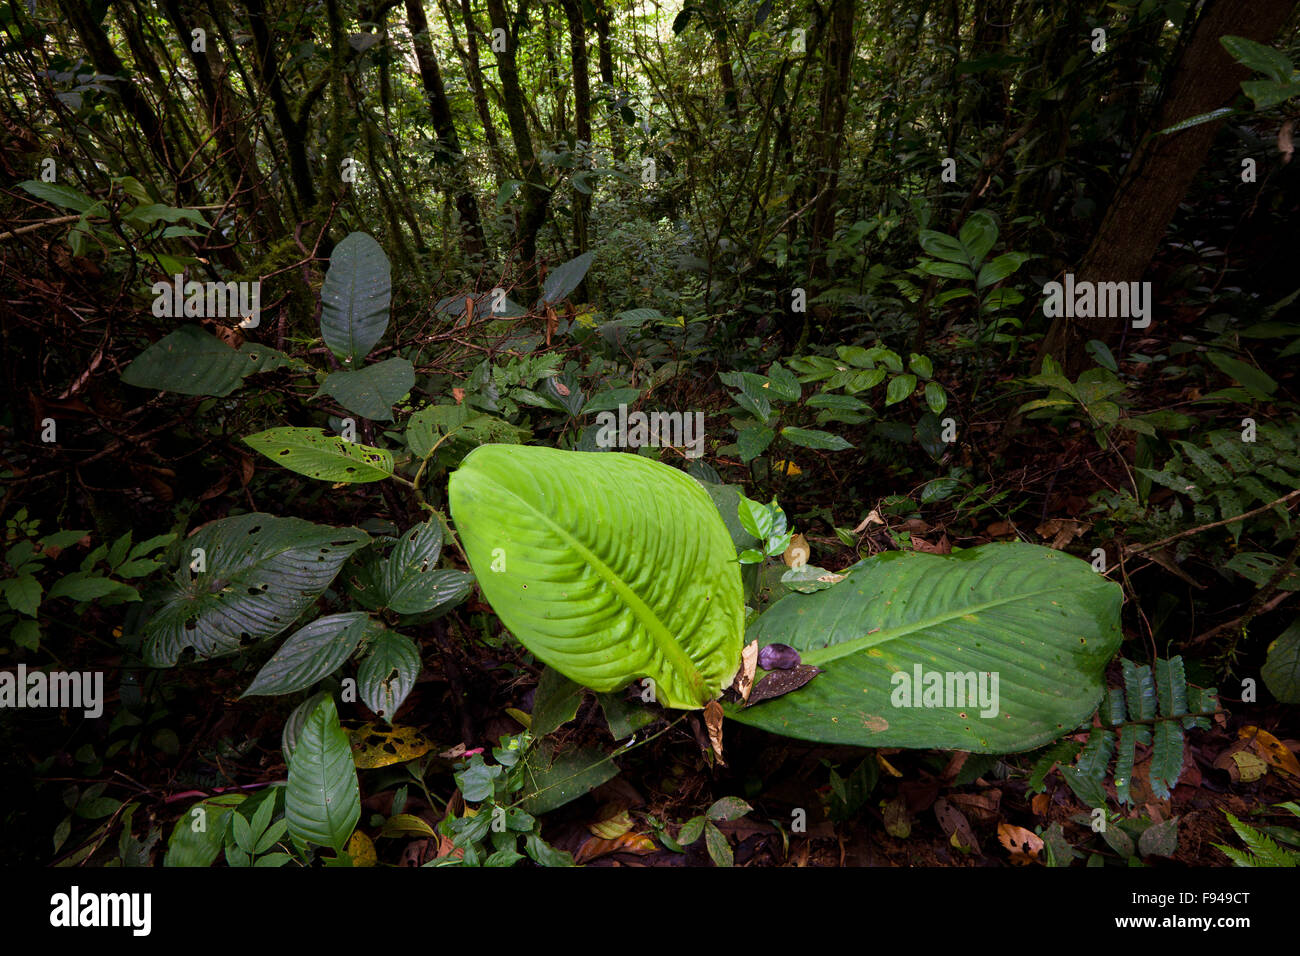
(609, 567)
(1041, 622)
(354, 298)
(412, 582)
(189, 361)
(311, 452)
(322, 803)
(388, 673)
(260, 573)
(313, 651)
(371, 391)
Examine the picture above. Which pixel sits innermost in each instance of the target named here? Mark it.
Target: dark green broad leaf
(260, 573)
(313, 651)
(551, 780)
(814, 438)
(311, 452)
(354, 298)
(293, 724)
(388, 673)
(189, 361)
(371, 391)
(564, 278)
(323, 801)
(63, 196)
(555, 702)
(902, 625)
(197, 838)
(412, 581)
(1281, 670)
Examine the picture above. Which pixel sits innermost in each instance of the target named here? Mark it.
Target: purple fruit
(778, 657)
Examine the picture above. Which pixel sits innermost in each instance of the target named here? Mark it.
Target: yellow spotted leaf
(362, 850)
(377, 745)
(1272, 750)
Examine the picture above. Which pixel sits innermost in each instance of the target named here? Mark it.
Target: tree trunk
(1155, 181)
(581, 121)
(440, 110)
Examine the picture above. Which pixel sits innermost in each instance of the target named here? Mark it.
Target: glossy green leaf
(312, 452)
(293, 724)
(323, 801)
(609, 567)
(388, 673)
(313, 651)
(412, 582)
(814, 438)
(261, 573)
(371, 391)
(1044, 622)
(189, 361)
(354, 298)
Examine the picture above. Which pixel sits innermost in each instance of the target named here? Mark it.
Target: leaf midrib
(660, 635)
(854, 645)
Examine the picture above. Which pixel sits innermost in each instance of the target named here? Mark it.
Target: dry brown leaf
(713, 721)
(638, 843)
(1271, 749)
(1062, 531)
(868, 521)
(797, 554)
(748, 665)
(1023, 845)
(1040, 804)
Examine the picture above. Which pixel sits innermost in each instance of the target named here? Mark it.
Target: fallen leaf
(1023, 845)
(954, 823)
(868, 521)
(362, 850)
(612, 821)
(1040, 804)
(638, 843)
(797, 554)
(377, 745)
(748, 664)
(1271, 749)
(713, 722)
(779, 683)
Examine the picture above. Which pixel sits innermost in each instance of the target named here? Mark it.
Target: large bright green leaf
(412, 582)
(260, 573)
(371, 391)
(388, 673)
(323, 801)
(1040, 620)
(311, 452)
(609, 567)
(310, 653)
(189, 361)
(354, 298)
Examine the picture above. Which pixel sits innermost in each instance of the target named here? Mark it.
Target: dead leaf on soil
(1023, 845)
(713, 722)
